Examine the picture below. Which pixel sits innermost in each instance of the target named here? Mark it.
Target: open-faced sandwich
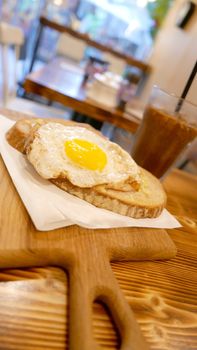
(79, 160)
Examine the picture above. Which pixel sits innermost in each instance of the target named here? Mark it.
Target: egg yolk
(86, 154)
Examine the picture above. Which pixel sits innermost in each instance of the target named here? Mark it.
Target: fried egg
(83, 157)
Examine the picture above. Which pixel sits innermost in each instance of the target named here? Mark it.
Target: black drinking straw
(186, 88)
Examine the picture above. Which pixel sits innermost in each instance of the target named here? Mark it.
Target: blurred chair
(9, 35)
(70, 47)
(116, 65)
(12, 37)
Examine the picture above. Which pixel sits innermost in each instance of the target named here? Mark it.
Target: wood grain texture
(36, 317)
(58, 84)
(86, 255)
(162, 294)
(86, 38)
(33, 309)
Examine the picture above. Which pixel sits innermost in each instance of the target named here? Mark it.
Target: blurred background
(156, 33)
(130, 26)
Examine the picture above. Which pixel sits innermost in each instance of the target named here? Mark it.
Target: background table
(45, 22)
(163, 295)
(58, 82)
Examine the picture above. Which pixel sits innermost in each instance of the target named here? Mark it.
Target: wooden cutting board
(86, 255)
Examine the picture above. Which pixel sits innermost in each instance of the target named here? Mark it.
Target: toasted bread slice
(18, 136)
(147, 202)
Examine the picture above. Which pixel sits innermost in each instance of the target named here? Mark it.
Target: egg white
(47, 155)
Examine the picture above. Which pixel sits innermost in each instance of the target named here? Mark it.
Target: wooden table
(57, 82)
(45, 22)
(162, 294)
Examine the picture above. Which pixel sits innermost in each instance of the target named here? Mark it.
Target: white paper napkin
(50, 207)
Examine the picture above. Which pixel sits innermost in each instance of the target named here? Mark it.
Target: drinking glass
(169, 125)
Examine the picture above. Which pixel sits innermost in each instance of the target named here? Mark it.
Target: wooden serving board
(86, 255)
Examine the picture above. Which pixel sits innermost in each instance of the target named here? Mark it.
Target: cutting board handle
(89, 283)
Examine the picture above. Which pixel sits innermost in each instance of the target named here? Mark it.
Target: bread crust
(96, 197)
(147, 202)
(20, 134)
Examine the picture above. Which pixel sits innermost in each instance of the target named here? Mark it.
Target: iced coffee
(161, 138)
